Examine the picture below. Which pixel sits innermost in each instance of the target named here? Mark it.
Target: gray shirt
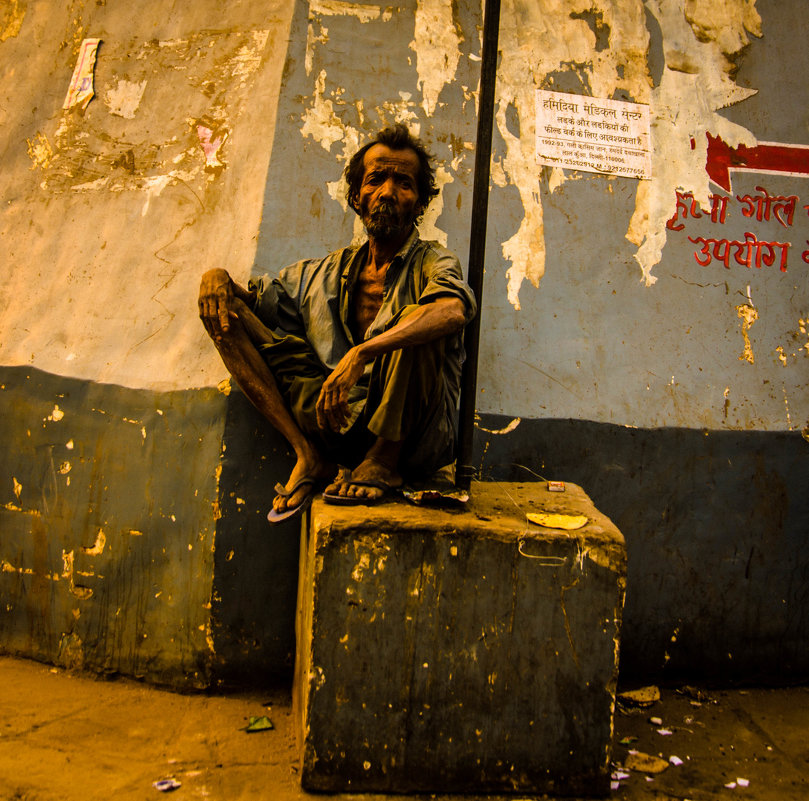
(313, 298)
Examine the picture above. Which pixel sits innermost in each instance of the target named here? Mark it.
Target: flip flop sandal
(353, 500)
(276, 517)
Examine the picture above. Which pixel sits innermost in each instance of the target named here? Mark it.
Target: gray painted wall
(673, 391)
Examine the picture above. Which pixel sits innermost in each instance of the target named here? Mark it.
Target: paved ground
(66, 737)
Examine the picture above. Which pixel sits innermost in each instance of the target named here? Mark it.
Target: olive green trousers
(403, 396)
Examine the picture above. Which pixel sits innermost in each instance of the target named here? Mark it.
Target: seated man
(356, 357)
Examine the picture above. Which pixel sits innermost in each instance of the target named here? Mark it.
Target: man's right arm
(217, 293)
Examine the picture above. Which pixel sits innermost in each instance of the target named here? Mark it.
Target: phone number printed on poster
(593, 134)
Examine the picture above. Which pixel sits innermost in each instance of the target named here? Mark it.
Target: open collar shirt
(313, 298)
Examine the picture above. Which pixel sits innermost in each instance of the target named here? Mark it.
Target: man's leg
(409, 414)
(239, 349)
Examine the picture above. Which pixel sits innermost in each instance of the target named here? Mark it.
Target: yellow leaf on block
(555, 520)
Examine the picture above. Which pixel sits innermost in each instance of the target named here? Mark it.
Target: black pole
(477, 240)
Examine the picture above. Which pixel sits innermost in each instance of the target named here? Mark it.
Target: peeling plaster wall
(110, 212)
(612, 311)
(120, 545)
(633, 330)
(601, 310)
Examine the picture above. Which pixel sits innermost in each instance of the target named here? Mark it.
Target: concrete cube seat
(458, 651)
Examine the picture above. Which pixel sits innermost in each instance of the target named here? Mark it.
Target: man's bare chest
(369, 292)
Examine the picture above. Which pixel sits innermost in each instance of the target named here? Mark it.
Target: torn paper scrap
(211, 141)
(738, 783)
(80, 92)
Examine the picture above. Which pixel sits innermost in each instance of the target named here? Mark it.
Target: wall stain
(11, 19)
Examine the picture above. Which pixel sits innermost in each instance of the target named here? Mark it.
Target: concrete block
(458, 651)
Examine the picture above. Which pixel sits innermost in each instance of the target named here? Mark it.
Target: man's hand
(216, 302)
(332, 405)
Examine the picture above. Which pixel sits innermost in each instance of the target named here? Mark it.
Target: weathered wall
(619, 350)
(107, 541)
(614, 352)
(112, 426)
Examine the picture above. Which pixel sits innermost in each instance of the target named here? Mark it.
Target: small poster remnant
(81, 92)
(593, 134)
(211, 141)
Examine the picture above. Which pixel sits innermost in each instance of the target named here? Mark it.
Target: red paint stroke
(766, 157)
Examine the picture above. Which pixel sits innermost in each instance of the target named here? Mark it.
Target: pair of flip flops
(275, 517)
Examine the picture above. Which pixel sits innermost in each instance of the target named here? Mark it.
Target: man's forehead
(381, 156)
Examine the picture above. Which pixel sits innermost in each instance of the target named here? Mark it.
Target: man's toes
(367, 493)
(298, 497)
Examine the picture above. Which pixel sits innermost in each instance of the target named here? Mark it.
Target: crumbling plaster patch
(699, 39)
(11, 19)
(436, 45)
(542, 39)
(88, 152)
(125, 98)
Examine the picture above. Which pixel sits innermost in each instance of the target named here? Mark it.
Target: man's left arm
(438, 318)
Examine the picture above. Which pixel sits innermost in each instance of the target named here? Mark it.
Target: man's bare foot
(310, 466)
(354, 483)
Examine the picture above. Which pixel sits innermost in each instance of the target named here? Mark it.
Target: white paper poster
(593, 134)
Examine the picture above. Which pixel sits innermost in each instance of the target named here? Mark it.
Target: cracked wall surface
(677, 303)
(599, 302)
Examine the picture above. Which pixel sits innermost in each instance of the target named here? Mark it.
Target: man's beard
(384, 222)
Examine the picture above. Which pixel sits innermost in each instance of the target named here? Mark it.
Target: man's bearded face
(388, 197)
(384, 220)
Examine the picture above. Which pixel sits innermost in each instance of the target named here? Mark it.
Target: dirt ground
(66, 737)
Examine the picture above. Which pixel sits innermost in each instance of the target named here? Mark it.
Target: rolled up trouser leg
(409, 401)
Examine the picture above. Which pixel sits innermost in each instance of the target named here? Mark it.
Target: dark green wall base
(716, 525)
(256, 565)
(106, 543)
(136, 541)
(144, 548)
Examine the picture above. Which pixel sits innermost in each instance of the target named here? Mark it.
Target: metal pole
(477, 240)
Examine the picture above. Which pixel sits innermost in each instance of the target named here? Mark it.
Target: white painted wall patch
(124, 99)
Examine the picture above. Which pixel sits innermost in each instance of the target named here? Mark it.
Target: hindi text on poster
(593, 134)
